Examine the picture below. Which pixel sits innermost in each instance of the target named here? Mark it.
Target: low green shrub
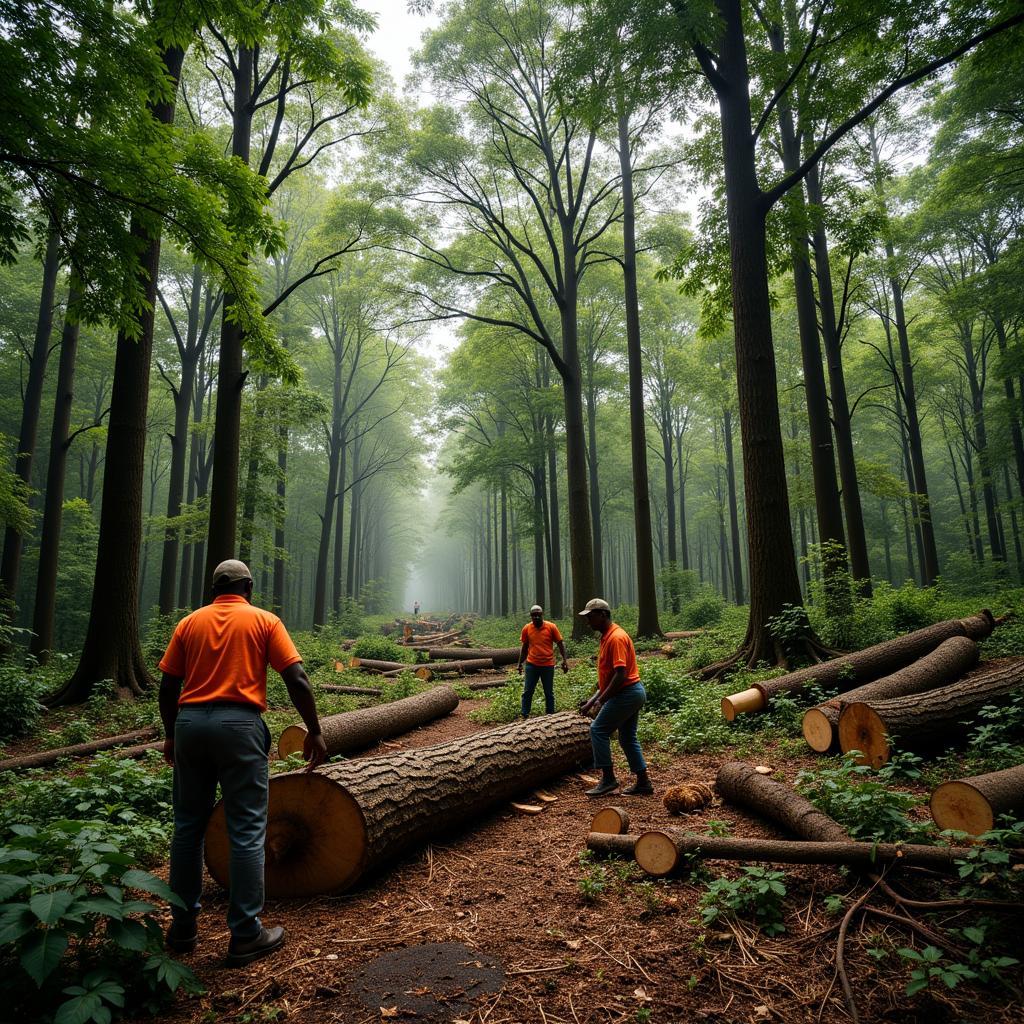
(704, 610)
(77, 943)
(756, 895)
(20, 705)
(380, 648)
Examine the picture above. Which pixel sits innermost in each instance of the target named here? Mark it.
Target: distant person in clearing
(416, 609)
(216, 734)
(538, 651)
(619, 698)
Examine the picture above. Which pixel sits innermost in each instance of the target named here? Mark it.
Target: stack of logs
(443, 661)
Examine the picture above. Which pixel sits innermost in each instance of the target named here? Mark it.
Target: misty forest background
(463, 343)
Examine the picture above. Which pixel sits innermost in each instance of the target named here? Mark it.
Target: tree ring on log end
(316, 838)
(958, 805)
(818, 731)
(656, 853)
(291, 741)
(861, 728)
(613, 821)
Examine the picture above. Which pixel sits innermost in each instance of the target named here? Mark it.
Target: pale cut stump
(328, 828)
(357, 730)
(972, 805)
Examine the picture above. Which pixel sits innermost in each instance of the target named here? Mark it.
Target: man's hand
(592, 705)
(169, 750)
(314, 750)
(565, 666)
(519, 668)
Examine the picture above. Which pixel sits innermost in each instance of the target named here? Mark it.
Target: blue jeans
(228, 744)
(546, 675)
(621, 712)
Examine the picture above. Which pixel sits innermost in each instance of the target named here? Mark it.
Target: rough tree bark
(328, 828)
(357, 730)
(950, 660)
(923, 718)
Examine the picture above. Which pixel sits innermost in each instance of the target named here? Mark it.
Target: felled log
(972, 805)
(610, 845)
(950, 660)
(613, 820)
(499, 655)
(486, 684)
(327, 828)
(860, 666)
(373, 665)
(462, 668)
(682, 634)
(664, 852)
(356, 730)
(45, 757)
(353, 691)
(739, 783)
(923, 717)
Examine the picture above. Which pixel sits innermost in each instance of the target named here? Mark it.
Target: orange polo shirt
(616, 651)
(541, 651)
(222, 651)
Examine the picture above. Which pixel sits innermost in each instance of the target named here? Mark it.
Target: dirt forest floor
(509, 888)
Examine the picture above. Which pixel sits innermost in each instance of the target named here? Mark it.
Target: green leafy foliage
(932, 965)
(756, 895)
(70, 886)
(20, 706)
(705, 610)
(380, 648)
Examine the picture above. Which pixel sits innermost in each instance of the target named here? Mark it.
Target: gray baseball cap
(536, 608)
(596, 604)
(230, 570)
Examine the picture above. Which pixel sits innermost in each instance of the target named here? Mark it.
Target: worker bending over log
(538, 639)
(215, 733)
(619, 698)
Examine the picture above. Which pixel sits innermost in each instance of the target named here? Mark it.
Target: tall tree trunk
(684, 547)
(856, 538)
(646, 583)
(111, 649)
(734, 519)
(339, 529)
(1013, 407)
(538, 533)
(960, 497)
(31, 404)
(595, 484)
(504, 551)
(53, 501)
(886, 541)
(230, 376)
(554, 520)
(280, 511)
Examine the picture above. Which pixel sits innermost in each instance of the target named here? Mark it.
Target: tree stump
(950, 660)
(924, 717)
(327, 828)
(972, 805)
(356, 730)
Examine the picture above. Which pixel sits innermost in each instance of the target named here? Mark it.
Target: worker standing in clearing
(619, 698)
(538, 651)
(216, 734)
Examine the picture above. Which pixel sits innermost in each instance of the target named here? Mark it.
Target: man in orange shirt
(619, 698)
(538, 639)
(215, 733)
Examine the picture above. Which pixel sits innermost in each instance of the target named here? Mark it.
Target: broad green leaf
(11, 884)
(16, 923)
(42, 953)
(128, 935)
(78, 1009)
(50, 907)
(98, 905)
(143, 880)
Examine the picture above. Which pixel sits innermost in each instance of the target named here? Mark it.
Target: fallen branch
(47, 757)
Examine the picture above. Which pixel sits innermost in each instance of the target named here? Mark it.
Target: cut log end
(861, 728)
(958, 805)
(611, 820)
(656, 853)
(818, 731)
(291, 741)
(743, 703)
(316, 838)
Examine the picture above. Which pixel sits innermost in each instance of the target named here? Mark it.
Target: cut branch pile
(860, 667)
(357, 730)
(972, 805)
(923, 718)
(950, 660)
(327, 828)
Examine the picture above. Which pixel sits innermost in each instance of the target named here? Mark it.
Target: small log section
(923, 718)
(353, 691)
(461, 668)
(499, 655)
(612, 820)
(607, 844)
(739, 783)
(665, 852)
(371, 665)
(950, 660)
(356, 730)
(972, 805)
(682, 634)
(327, 828)
(860, 666)
(46, 757)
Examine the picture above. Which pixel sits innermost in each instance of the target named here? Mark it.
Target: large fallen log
(923, 718)
(972, 805)
(357, 730)
(46, 757)
(682, 634)
(858, 667)
(499, 655)
(610, 845)
(461, 668)
(373, 665)
(329, 827)
(487, 684)
(950, 660)
(353, 691)
(664, 852)
(739, 783)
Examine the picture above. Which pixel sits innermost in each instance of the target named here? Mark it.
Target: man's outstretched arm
(314, 750)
